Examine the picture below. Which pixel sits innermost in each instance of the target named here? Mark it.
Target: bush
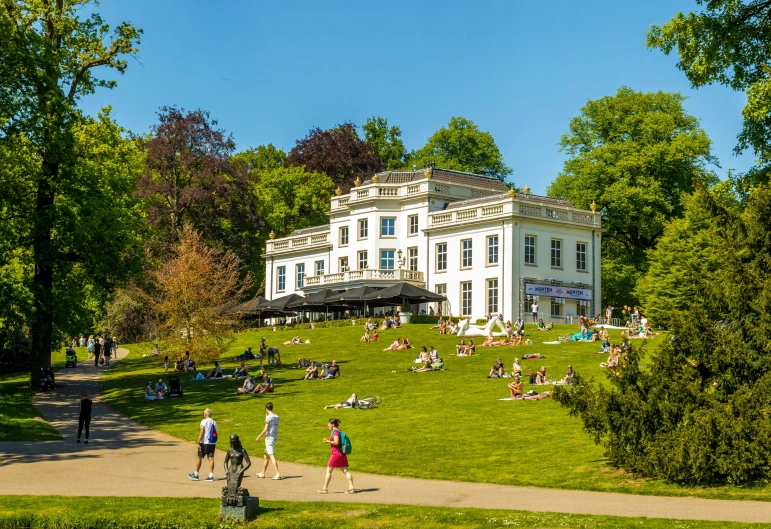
(14, 351)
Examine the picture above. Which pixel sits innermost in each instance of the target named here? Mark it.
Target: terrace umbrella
(249, 307)
(353, 297)
(317, 300)
(278, 306)
(402, 293)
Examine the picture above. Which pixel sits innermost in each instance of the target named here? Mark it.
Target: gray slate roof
(307, 231)
(441, 175)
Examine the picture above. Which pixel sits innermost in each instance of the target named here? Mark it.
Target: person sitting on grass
(149, 392)
(490, 340)
(442, 327)
(516, 369)
(433, 353)
(265, 387)
(515, 388)
(161, 389)
(241, 371)
(570, 378)
(393, 347)
(248, 387)
(540, 376)
(331, 371)
(262, 375)
(312, 373)
(179, 365)
(350, 403)
(303, 363)
(498, 370)
(365, 338)
(439, 323)
(541, 325)
(375, 336)
(452, 327)
(216, 372)
(461, 347)
(509, 330)
(471, 349)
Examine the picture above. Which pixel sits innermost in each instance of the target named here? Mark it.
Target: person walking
(608, 314)
(84, 419)
(97, 351)
(271, 436)
(337, 459)
(207, 442)
(90, 346)
(107, 350)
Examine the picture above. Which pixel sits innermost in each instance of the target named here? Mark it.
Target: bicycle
(368, 403)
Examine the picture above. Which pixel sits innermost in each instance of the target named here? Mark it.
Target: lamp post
(401, 262)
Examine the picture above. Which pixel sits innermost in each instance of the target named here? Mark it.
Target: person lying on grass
(262, 375)
(537, 396)
(265, 387)
(330, 371)
(216, 372)
(350, 403)
(294, 341)
(515, 388)
(428, 366)
(312, 373)
(241, 371)
(498, 370)
(248, 387)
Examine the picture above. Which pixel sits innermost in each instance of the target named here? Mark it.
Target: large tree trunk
(42, 328)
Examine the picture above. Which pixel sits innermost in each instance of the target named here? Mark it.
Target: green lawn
(18, 419)
(166, 513)
(440, 425)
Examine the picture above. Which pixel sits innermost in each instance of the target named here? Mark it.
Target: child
(166, 364)
(375, 335)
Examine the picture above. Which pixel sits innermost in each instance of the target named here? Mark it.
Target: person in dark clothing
(97, 351)
(84, 419)
(107, 350)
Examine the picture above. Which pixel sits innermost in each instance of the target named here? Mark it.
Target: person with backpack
(207, 442)
(340, 445)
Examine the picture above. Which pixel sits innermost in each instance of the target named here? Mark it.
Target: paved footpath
(125, 458)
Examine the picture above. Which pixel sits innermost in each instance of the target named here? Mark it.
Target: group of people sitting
(370, 332)
(319, 370)
(399, 344)
(541, 326)
(158, 392)
(257, 384)
(447, 326)
(466, 349)
(428, 360)
(183, 364)
(538, 378)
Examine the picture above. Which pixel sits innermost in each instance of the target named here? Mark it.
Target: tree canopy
(699, 414)
(463, 147)
(637, 155)
(387, 141)
(339, 153)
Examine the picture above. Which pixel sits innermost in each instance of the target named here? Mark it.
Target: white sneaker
(260, 475)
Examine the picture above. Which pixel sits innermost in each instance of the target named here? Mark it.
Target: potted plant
(405, 311)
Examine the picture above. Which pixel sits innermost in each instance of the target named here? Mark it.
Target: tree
(192, 177)
(387, 142)
(700, 413)
(339, 153)
(728, 42)
(463, 147)
(636, 154)
(191, 287)
(48, 58)
(262, 158)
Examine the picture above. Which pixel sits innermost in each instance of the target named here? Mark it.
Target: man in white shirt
(271, 436)
(534, 311)
(207, 441)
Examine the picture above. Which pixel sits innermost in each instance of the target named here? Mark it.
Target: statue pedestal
(247, 513)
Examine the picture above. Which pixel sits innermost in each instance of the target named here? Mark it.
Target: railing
(442, 218)
(560, 214)
(315, 239)
(584, 218)
(533, 211)
(466, 214)
(343, 201)
(492, 210)
(299, 241)
(411, 190)
(320, 238)
(388, 191)
(362, 193)
(369, 274)
(280, 245)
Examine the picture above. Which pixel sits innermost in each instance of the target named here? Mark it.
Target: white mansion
(488, 249)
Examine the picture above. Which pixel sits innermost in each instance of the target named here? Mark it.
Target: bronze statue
(236, 463)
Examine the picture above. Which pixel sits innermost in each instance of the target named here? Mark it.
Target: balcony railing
(470, 214)
(370, 274)
(308, 241)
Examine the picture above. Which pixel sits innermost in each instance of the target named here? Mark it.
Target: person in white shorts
(271, 436)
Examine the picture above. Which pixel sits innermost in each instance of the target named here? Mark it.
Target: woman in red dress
(337, 459)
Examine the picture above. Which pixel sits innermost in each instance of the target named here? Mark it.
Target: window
(387, 227)
(529, 250)
(342, 264)
(319, 268)
(556, 307)
(581, 256)
(386, 259)
(492, 296)
(300, 275)
(465, 253)
(442, 305)
(281, 278)
(492, 250)
(363, 260)
(441, 257)
(412, 259)
(465, 298)
(583, 307)
(344, 236)
(413, 224)
(556, 253)
(363, 228)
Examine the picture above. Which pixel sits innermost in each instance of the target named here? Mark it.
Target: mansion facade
(467, 236)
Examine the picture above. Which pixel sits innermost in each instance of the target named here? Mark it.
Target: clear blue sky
(269, 71)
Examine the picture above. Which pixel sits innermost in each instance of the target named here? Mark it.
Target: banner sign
(555, 291)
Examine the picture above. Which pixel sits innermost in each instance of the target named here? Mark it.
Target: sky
(271, 71)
